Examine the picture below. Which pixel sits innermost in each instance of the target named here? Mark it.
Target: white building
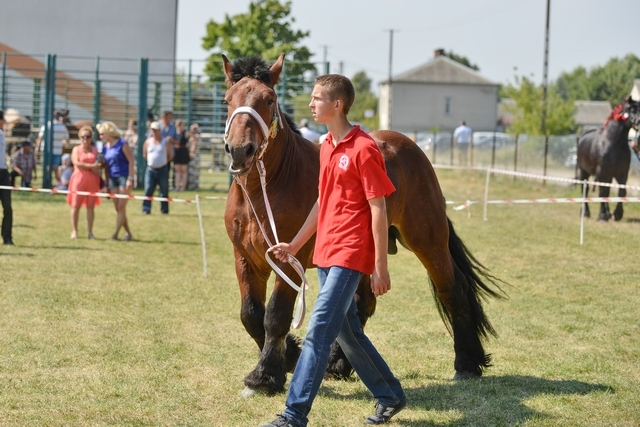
(439, 93)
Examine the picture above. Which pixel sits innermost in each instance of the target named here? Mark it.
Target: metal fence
(97, 89)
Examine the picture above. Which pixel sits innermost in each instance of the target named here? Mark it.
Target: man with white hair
(309, 134)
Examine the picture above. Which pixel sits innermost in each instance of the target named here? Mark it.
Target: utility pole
(324, 59)
(390, 74)
(543, 121)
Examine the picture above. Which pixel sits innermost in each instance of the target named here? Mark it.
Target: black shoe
(9, 243)
(384, 413)
(281, 421)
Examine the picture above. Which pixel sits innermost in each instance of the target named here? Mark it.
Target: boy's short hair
(337, 86)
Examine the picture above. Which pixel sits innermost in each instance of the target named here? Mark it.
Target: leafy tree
(365, 100)
(528, 109)
(265, 30)
(610, 82)
(461, 59)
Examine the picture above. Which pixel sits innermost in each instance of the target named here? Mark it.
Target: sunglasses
(85, 137)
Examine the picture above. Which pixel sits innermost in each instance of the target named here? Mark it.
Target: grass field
(103, 333)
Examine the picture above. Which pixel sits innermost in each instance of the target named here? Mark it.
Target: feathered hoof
(464, 375)
(248, 392)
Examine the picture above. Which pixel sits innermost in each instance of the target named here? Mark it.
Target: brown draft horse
(416, 214)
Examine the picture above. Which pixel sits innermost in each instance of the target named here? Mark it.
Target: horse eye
(271, 102)
(224, 101)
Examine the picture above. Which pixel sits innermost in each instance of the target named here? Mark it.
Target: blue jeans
(152, 178)
(334, 316)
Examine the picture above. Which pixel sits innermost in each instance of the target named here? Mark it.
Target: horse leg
(456, 279)
(339, 367)
(605, 214)
(622, 192)
(279, 350)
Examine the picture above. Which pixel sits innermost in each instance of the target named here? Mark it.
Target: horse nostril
(251, 150)
(227, 149)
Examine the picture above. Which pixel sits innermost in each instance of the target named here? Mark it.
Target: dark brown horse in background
(416, 214)
(605, 154)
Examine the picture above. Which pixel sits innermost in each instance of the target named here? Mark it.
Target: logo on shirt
(344, 162)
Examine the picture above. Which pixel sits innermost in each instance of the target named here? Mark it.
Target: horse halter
(267, 132)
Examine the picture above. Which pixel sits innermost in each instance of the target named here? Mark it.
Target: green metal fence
(97, 89)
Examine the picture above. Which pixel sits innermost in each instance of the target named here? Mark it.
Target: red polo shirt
(351, 173)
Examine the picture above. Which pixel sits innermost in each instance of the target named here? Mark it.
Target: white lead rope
(300, 307)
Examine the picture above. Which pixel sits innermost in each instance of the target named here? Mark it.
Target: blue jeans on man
(334, 316)
(156, 177)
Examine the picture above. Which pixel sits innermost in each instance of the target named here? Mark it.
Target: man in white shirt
(309, 134)
(462, 136)
(60, 135)
(5, 195)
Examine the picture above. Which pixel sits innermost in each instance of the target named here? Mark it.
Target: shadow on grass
(16, 254)
(488, 400)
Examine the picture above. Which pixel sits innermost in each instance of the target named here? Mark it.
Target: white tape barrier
(549, 200)
(124, 196)
(559, 179)
(96, 194)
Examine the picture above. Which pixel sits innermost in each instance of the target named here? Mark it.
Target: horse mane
(616, 114)
(252, 66)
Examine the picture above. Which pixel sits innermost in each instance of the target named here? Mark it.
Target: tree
(528, 109)
(365, 100)
(265, 30)
(461, 59)
(611, 82)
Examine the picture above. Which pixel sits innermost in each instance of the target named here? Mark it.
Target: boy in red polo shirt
(350, 220)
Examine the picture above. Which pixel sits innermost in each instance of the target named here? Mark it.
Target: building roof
(443, 70)
(591, 112)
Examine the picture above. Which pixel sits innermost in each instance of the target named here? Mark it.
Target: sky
(502, 37)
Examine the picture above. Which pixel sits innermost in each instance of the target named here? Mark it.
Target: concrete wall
(109, 29)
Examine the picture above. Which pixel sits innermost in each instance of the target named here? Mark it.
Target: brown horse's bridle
(293, 261)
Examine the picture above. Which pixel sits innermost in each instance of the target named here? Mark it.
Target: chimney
(438, 52)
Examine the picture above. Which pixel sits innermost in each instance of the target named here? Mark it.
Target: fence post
(143, 81)
(546, 152)
(35, 109)
(435, 145)
(471, 147)
(4, 81)
(96, 93)
(189, 109)
(451, 151)
(126, 103)
(515, 156)
(576, 167)
(157, 98)
(493, 151)
(47, 164)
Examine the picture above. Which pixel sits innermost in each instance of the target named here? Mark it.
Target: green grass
(105, 333)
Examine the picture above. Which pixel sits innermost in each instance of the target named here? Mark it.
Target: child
(65, 170)
(350, 222)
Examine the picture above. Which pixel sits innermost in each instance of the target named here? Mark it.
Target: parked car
(485, 139)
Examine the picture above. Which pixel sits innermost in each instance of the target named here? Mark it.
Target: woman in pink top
(85, 177)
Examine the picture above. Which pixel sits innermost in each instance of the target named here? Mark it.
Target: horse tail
(480, 285)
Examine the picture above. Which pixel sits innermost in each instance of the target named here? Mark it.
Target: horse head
(631, 112)
(253, 115)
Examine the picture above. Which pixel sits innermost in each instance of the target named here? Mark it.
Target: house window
(447, 106)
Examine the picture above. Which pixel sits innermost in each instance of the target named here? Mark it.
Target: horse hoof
(248, 392)
(462, 375)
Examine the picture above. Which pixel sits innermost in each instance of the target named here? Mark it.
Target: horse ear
(276, 69)
(227, 69)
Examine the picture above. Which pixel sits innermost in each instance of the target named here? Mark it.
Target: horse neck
(618, 131)
(282, 158)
